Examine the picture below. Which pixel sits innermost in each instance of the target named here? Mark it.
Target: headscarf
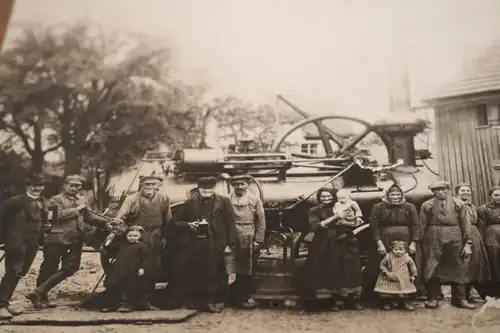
(491, 203)
(332, 191)
(394, 188)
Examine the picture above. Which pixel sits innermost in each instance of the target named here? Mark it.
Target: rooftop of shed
(481, 76)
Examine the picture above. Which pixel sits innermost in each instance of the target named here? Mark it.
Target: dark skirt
(479, 269)
(333, 266)
(492, 243)
(196, 269)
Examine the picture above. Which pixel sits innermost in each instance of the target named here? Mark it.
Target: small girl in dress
(396, 279)
(124, 282)
(348, 209)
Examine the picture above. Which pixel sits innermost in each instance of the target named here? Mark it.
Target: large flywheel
(345, 146)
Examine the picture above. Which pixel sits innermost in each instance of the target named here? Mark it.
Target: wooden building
(467, 125)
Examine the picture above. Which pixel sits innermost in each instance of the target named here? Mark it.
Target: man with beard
(22, 219)
(204, 230)
(446, 245)
(250, 226)
(149, 209)
(64, 243)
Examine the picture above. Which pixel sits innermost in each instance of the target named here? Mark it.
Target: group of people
(449, 241)
(213, 238)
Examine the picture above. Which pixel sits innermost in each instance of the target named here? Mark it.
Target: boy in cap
(446, 245)
(64, 242)
(149, 209)
(204, 229)
(22, 219)
(250, 225)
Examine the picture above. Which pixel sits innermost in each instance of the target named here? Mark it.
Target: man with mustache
(149, 209)
(204, 231)
(446, 245)
(250, 225)
(63, 244)
(22, 219)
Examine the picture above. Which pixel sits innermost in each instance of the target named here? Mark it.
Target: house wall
(465, 150)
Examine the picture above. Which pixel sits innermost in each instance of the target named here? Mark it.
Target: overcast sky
(324, 55)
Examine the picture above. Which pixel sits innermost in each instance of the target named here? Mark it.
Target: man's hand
(412, 248)
(81, 207)
(141, 272)
(163, 243)
(412, 279)
(467, 251)
(381, 248)
(194, 225)
(227, 249)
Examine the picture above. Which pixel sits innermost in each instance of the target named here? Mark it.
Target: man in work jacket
(64, 243)
(446, 245)
(150, 209)
(22, 219)
(250, 226)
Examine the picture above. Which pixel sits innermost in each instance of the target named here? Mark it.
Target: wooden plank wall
(465, 152)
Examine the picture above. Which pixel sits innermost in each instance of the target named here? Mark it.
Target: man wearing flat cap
(22, 219)
(204, 229)
(250, 226)
(149, 209)
(446, 245)
(64, 242)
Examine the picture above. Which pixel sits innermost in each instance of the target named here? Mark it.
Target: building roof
(481, 76)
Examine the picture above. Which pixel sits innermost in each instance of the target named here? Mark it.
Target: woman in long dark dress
(333, 265)
(479, 271)
(490, 215)
(395, 219)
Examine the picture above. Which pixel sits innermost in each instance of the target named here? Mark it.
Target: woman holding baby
(333, 261)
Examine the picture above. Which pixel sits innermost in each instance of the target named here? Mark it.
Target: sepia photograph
(219, 166)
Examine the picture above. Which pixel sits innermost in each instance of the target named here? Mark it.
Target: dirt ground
(446, 318)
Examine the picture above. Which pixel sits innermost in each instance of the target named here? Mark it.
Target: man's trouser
(18, 261)
(50, 275)
(434, 290)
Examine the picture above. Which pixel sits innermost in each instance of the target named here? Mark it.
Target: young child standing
(396, 279)
(124, 281)
(348, 209)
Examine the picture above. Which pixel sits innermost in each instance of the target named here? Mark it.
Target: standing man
(64, 243)
(204, 231)
(250, 226)
(446, 244)
(151, 210)
(22, 219)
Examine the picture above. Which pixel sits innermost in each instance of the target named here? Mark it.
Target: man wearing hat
(446, 245)
(204, 231)
(22, 219)
(150, 209)
(250, 226)
(64, 242)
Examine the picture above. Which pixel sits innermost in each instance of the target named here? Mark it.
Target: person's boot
(405, 304)
(5, 314)
(46, 303)
(463, 304)
(212, 308)
(432, 304)
(387, 305)
(249, 304)
(37, 296)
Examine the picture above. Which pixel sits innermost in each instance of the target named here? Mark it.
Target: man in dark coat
(22, 219)
(64, 243)
(204, 230)
(446, 245)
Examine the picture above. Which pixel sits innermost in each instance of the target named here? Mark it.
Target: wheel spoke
(349, 145)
